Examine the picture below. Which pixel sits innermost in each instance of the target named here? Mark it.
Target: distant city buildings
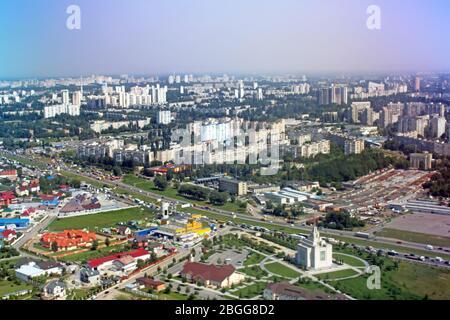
(421, 161)
(417, 84)
(354, 146)
(309, 150)
(53, 111)
(164, 117)
(333, 95)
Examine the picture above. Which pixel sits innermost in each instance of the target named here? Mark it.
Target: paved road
(109, 294)
(229, 215)
(376, 242)
(29, 234)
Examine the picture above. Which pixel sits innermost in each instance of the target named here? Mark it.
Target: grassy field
(410, 281)
(254, 271)
(92, 254)
(101, 220)
(309, 284)
(148, 185)
(172, 296)
(348, 260)
(337, 274)
(100, 184)
(7, 287)
(281, 270)
(80, 294)
(253, 258)
(251, 291)
(414, 237)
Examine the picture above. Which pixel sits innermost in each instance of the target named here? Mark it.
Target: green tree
(161, 183)
(54, 246)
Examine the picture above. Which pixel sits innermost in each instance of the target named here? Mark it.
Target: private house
(69, 239)
(119, 264)
(90, 276)
(8, 174)
(54, 290)
(26, 187)
(8, 235)
(7, 198)
(211, 275)
(148, 283)
(124, 231)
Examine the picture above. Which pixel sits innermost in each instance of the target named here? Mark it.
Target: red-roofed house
(211, 275)
(69, 239)
(8, 235)
(149, 283)
(29, 213)
(6, 198)
(9, 174)
(34, 186)
(47, 197)
(104, 263)
(22, 191)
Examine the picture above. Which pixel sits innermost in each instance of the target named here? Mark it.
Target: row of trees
(439, 185)
(203, 194)
(341, 221)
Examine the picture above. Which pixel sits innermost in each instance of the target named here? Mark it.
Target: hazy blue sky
(161, 36)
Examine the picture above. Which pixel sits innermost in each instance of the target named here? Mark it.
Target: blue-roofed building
(51, 203)
(145, 232)
(19, 223)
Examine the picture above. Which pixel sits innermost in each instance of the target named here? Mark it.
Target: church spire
(315, 235)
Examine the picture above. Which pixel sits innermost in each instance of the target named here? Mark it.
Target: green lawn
(309, 284)
(337, 274)
(414, 237)
(81, 294)
(281, 270)
(251, 291)
(411, 281)
(93, 254)
(253, 258)
(7, 287)
(172, 296)
(254, 271)
(352, 261)
(101, 220)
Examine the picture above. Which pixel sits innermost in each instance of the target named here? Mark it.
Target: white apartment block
(310, 150)
(164, 117)
(354, 146)
(53, 111)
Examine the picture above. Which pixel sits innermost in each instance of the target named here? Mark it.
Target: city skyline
(154, 37)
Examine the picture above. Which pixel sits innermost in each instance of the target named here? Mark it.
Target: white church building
(314, 253)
